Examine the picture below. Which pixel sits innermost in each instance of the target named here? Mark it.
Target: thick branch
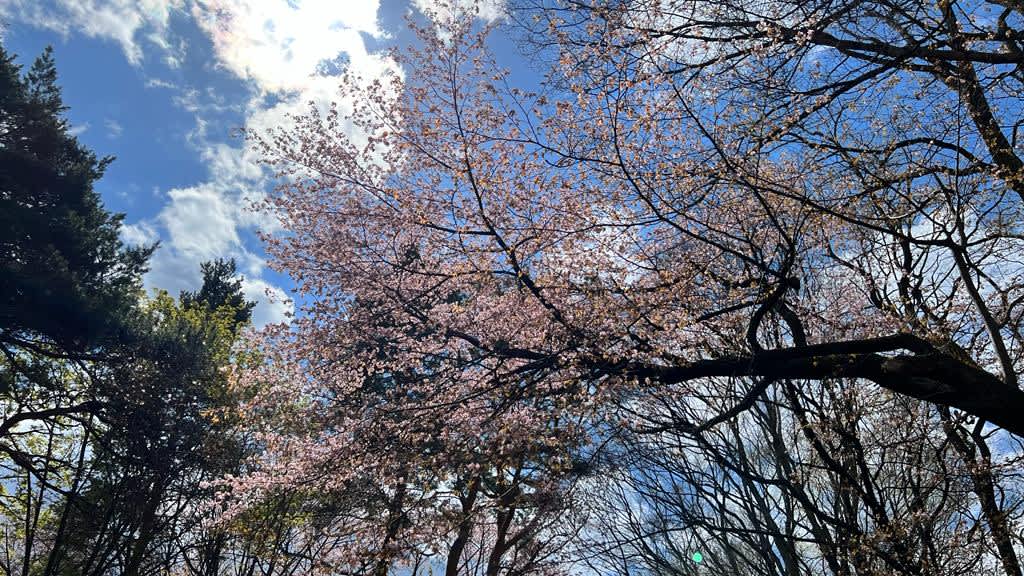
(927, 374)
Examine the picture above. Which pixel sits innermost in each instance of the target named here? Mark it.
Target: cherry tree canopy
(720, 194)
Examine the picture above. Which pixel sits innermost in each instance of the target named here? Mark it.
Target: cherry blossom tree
(700, 202)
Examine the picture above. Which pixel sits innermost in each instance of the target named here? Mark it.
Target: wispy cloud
(78, 129)
(126, 22)
(140, 234)
(160, 83)
(114, 128)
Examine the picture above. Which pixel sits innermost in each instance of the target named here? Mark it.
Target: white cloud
(121, 21)
(78, 129)
(114, 128)
(280, 45)
(160, 83)
(231, 163)
(201, 222)
(272, 304)
(139, 234)
(487, 10)
(174, 271)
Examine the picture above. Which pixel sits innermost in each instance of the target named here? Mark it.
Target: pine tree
(221, 287)
(65, 276)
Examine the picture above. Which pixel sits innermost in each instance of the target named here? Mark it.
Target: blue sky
(164, 85)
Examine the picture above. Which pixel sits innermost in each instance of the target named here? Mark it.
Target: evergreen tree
(221, 287)
(65, 276)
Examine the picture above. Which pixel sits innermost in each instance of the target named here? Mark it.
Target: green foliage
(161, 441)
(110, 401)
(221, 290)
(67, 286)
